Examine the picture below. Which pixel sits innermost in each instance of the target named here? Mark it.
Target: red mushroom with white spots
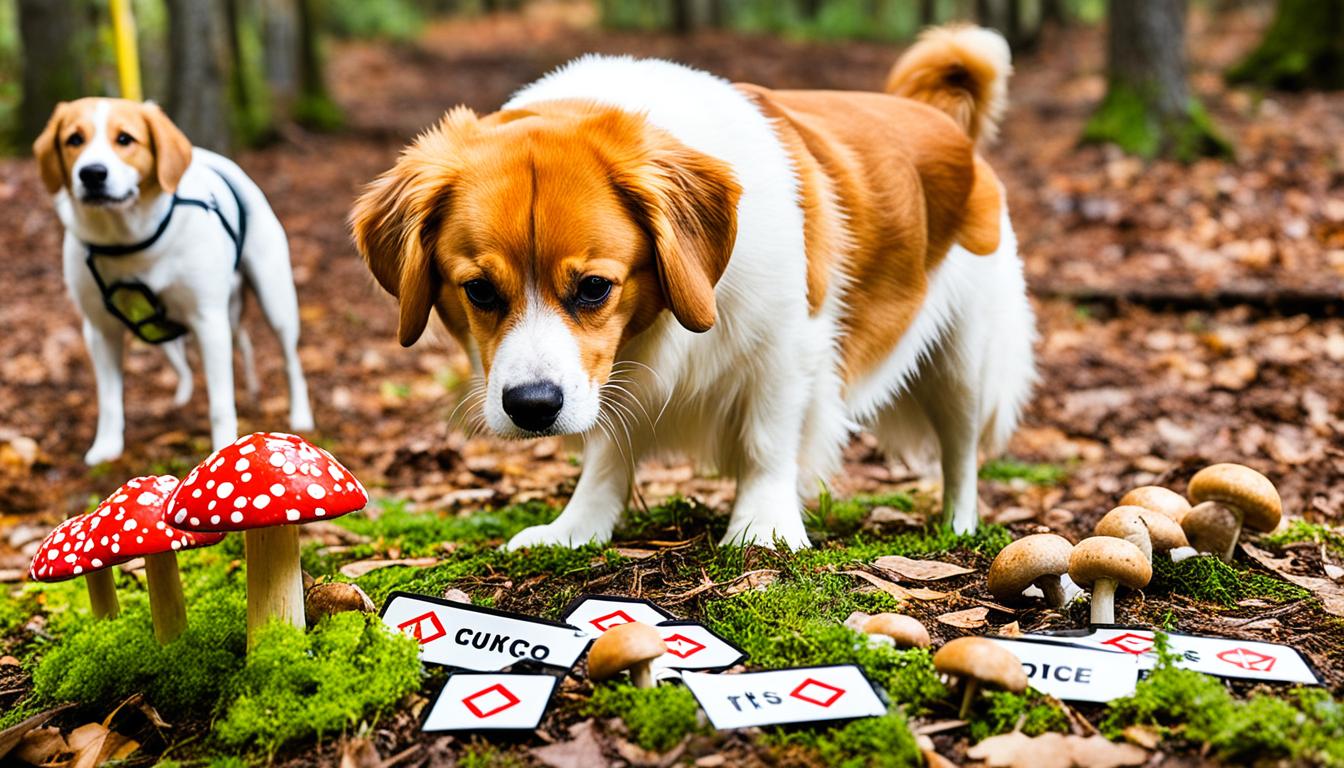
(265, 484)
(126, 525)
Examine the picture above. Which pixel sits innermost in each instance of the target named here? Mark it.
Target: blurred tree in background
(1303, 48)
(56, 33)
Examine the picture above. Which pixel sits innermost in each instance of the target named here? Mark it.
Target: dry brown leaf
(95, 744)
(890, 587)
(361, 567)
(1099, 752)
(920, 570)
(581, 751)
(1331, 594)
(1055, 750)
(971, 618)
(43, 746)
(1011, 629)
(11, 736)
(1143, 736)
(360, 753)
(931, 757)
(751, 580)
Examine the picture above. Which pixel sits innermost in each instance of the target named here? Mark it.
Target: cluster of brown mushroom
(1224, 499)
(264, 484)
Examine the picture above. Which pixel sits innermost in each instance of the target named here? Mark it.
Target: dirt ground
(1187, 314)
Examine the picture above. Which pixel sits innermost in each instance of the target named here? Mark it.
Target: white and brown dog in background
(114, 169)
(829, 261)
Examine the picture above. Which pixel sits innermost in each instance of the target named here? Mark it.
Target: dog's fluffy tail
(960, 69)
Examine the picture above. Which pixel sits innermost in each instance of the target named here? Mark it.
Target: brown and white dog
(150, 220)
(658, 260)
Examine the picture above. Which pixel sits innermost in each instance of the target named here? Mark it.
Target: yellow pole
(128, 56)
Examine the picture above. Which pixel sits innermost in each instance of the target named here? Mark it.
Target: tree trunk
(1148, 109)
(928, 12)
(198, 88)
(280, 41)
(315, 108)
(55, 38)
(1302, 49)
(683, 17)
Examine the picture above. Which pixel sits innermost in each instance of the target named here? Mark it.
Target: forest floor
(1187, 315)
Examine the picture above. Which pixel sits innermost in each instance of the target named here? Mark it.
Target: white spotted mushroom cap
(261, 480)
(126, 525)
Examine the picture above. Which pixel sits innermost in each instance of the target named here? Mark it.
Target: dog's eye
(74, 140)
(482, 293)
(125, 139)
(593, 290)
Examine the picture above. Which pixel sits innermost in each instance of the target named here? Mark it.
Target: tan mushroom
(1148, 530)
(904, 631)
(1037, 560)
(632, 646)
(1249, 496)
(1103, 562)
(978, 662)
(1158, 499)
(335, 597)
(1210, 527)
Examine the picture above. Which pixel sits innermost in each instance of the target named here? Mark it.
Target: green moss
(678, 517)
(874, 742)
(482, 754)
(1211, 580)
(1007, 470)
(1307, 727)
(839, 519)
(657, 718)
(391, 524)
(999, 712)
(300, 684)
(1300, 531)
(1127, 119)
(1303, 48)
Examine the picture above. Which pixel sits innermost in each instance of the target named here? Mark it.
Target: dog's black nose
(534, 406)
(93, 175)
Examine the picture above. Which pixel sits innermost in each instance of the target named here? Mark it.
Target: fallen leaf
(581, 751)
(42, 746)
(971, 618)
(10, 737)
(1334, 571)
(1143, 736)
(896, 590)
(456, 595)
(1055, 750)
(1100, 752)
(931, 757)
(95, 744)
(361, 567)
(751, 580)
(360, 753)
(920, 570)
(1011, 629)
(1331, 594)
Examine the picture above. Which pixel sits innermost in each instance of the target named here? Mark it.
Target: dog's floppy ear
(687, 201)
(47, 150)
(172, 148)
(394, 221)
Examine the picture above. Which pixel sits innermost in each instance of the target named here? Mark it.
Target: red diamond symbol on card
(814, 691)
(1131, 643)
(425, 628)
(496, 697)
(682, 646)
(614, 619)
(1248, 659)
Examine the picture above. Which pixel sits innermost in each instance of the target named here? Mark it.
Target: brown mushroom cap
(1125, 521)
(905, 631)
(1210, 526)
(1104, 557)
(335, 597)
(1158, 499)
(982, 660)
(1024, 561)
(1240, 487)
(622, 647)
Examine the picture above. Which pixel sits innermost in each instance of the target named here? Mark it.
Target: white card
(476, 702)
(806, 695)
(691, 645)
(1073, 673)
(1221, 656)
(470, 637)
(595, 614)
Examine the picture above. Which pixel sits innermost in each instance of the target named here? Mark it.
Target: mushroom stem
(102, 594)
(166, 606)
(1236, 534)
(1103, 601)
(641, 675)
(1052, 589)
(274, 578)
(967, 696)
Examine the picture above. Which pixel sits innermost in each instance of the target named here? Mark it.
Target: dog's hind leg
(176, 352)
(245, 351)
(951, 403)
(266, 263)
(213, 331)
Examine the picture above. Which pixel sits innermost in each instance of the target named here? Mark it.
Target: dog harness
(133, 302)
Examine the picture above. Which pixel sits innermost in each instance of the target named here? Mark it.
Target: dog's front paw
(553, 535)
(103, 450)
(766, 533)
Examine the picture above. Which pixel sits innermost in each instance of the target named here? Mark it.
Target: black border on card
(433, 702)
(878, 694)
(741, 654)
(573, 605)
(497, 614)
(1072, 634)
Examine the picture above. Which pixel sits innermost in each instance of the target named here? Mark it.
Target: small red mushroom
(265, 484)
(126, 525)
